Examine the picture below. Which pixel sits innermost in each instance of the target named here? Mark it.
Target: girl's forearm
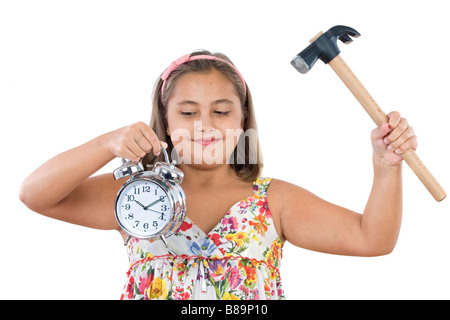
(63, 173)
(58, 177)
(383, 213)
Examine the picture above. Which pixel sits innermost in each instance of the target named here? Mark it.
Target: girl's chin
(208, 156)
(203, 166)
(202, 161)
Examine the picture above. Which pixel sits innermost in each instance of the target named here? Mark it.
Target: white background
(72, 70)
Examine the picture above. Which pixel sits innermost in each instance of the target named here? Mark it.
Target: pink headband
(187, 58)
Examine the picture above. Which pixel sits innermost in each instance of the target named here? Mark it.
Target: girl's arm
(312, 223)
(63, 189)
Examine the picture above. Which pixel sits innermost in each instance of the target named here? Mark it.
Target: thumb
(380, 132)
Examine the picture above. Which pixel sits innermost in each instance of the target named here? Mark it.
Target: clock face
(143, 208)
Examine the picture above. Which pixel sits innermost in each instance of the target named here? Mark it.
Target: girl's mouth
(206, 141)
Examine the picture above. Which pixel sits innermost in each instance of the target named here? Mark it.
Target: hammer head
(324, 48)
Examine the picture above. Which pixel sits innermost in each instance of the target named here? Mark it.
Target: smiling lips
(206, 141)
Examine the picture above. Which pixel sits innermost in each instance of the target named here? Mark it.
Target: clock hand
(161, 213)
(152, 204)
(140, 204)
(155, 211)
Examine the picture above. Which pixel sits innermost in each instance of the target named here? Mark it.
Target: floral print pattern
(238, 259)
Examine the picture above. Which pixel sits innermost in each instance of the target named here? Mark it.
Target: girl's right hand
(133, 142)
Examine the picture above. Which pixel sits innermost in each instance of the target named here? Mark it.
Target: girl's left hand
(391, 139)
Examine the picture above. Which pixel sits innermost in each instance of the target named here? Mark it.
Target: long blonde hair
(247, 169)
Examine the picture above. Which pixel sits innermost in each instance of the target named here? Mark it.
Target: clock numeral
(145, 225)
(136, 224)
(137, 190)
(127, 207)
(145, 188)
(161, 217)
(164, 207)
(130, 216)
(130, 198)
(155, 223)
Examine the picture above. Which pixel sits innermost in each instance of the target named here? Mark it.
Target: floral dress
(238, 259)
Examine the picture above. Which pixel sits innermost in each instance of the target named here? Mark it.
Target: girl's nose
(204, 125)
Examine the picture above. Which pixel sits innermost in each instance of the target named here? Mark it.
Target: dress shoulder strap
(260, 186)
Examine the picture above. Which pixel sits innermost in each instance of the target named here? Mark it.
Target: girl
(229, 246)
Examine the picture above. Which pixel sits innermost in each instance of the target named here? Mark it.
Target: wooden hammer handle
(379, 117)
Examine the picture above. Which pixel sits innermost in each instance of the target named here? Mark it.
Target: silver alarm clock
(151, 205)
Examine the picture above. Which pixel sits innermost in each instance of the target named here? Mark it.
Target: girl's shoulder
(279, 188)
(281, 194)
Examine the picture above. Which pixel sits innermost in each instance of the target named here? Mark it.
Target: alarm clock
(151, 205)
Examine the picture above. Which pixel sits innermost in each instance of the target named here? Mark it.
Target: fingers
(405, 141)
(149, 141)
(401, 136)
(135, 141)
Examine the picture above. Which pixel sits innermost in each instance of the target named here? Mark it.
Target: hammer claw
(343, 30)
(345, 38)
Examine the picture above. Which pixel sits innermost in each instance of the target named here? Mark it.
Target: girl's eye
(222, 113)
(187, 113)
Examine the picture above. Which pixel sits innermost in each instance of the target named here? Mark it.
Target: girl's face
(204, 118)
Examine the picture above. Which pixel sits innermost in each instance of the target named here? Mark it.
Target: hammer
(324, 47)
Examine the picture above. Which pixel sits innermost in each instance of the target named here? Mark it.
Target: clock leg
(126, 241)
(164, 240)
